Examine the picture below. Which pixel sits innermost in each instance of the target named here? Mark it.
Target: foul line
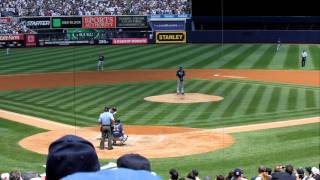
(34, 121)
(51, 125)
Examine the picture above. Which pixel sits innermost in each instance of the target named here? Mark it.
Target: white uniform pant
(180, 88)
(100, 65)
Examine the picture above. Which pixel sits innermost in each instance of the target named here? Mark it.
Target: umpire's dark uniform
(106, 120)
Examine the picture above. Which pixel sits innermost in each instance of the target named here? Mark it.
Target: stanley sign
(171, 37)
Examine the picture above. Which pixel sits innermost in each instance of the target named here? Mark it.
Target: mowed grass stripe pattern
(244, 102)
(255, 56)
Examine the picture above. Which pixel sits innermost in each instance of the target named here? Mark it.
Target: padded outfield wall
(254, 36)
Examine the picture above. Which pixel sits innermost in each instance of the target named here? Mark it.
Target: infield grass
(245, 102)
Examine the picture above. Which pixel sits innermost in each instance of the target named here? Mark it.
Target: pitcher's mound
(186, 98)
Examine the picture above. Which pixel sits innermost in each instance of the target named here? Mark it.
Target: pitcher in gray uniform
(180, 82)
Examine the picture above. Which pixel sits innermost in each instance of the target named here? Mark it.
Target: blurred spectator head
(219, 177)
(134, 161)
(15, 175)
(289, 169)
(269, 170)
(300, 173)
(237, 172)
(174, 175)
(70, 154)
(261, 169)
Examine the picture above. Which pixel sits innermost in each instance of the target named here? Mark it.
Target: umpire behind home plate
(106, 120)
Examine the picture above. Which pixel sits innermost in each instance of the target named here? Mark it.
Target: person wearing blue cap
(70, 154)
(180, 82)
(129, 166)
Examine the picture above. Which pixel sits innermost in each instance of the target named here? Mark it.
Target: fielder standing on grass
(304, 56)
(100, 62)
(180, 74)
(278, 44)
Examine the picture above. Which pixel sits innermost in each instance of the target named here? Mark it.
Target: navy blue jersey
(180, 74)
(101, 58)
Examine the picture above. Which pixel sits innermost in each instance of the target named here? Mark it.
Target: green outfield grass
(244, 102)
(248, 56)
(297, 145)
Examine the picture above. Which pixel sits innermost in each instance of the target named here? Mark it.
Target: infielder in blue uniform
(100, 62)
(180, 86)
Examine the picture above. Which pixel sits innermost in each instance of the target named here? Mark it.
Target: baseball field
(269, 111)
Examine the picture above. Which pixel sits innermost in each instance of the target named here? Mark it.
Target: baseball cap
(237, 172)
(300, 171)
(134, 161)
(70, 154)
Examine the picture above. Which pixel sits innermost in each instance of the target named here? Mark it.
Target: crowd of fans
(92, 7)
(74, 158)
(14, 28)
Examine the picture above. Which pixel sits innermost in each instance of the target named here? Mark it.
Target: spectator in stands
(70, 154)
(308, 174)
(5, 176)
(238, 174)
(219, 177)
(134, 161)
(173, 174)
(278, 168)
(300, 173)
(191, 176)
(287, 175)
(315, 173)
(269, 171)
(92, 7)
(15, 175)
(229, 176)
(262, 174)
(195, 172)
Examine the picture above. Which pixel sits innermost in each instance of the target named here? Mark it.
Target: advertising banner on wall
(98, 22)
(37, 22)
(30, 40)
(66, 22)
(132, 22)
(11, 37)
(85, 34)
(129, 41)
(5, 20)
(171, 37)
(168, 25)
(170, 16)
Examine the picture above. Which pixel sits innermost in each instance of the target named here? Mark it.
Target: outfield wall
(254, 36)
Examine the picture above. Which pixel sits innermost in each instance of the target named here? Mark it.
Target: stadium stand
(92, 7)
